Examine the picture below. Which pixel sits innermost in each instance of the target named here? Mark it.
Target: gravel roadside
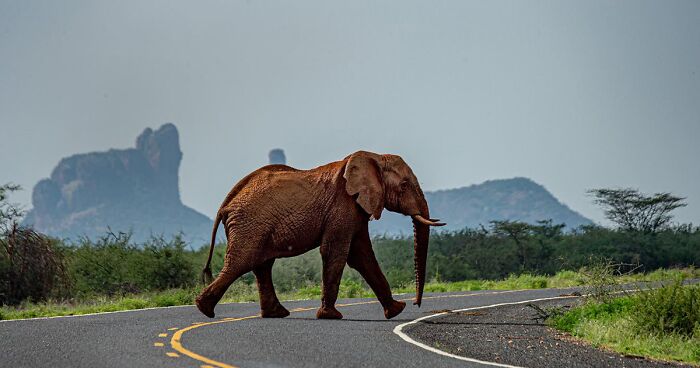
(512, 335)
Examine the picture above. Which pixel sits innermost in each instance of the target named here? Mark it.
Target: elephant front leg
(334, 256)
(362, 259)
(270, 306)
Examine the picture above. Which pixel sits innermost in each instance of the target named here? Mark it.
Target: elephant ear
(363, 177)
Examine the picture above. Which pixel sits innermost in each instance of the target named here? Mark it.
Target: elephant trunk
(421, 236)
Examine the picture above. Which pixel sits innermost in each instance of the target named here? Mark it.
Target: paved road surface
(172, 337)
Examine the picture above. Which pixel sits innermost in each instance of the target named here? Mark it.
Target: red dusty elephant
(278, 211)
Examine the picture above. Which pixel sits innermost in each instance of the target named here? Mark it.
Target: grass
(243, 292)
(661, 323)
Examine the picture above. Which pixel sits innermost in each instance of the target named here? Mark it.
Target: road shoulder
(511, 335)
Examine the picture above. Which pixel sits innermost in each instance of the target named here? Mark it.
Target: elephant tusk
(423, 221)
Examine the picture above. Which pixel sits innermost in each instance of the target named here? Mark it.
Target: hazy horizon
(573, 95)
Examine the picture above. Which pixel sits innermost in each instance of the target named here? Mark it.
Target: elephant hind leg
(270, 306)
(212, 294)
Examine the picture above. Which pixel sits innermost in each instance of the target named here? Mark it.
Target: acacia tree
(635, 211)
(516, 230)
(547, 229)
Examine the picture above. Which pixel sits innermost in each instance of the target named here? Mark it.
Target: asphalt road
(182, 337)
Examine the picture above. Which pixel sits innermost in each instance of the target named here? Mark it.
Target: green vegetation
(42, 276)
(113, 273)
(242, 291)
(113, 266)
(661, 323)
(510, 248)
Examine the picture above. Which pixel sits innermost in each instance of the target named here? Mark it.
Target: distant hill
(507, 199)
(134, 189)
(137, 190)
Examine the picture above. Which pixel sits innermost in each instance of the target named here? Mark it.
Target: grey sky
(574, 95)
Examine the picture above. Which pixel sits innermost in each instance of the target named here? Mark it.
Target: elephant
(278, 211)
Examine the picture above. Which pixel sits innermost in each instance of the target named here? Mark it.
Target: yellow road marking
(175, 341)
(163, 335)
(172, 355)
(158, 344)
(172, 329)
(301, 310)
(176, 345)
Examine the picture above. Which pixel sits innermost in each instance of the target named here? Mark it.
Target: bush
(165, 265)
(31, 267)
(105, 266)
(113, 265)
(672, 309)
(602, 279)
(662, 323)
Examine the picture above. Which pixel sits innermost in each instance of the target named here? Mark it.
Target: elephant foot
(278, 311)
(204, 306)
(328, 313)
(394, 309)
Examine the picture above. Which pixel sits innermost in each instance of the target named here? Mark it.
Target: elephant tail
(207, 276)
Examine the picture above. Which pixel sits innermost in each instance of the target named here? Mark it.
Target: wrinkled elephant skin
(278, 211)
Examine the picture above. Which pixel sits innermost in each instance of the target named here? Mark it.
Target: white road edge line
(93, 314)
(398, 330)
(112, 312)
(177, 306)
(128, 310)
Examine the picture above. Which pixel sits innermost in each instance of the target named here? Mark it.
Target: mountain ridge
(137, 190)
(134, 190)
(515, 199)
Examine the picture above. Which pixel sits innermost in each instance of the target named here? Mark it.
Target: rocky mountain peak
(161, 149)
(133, 189)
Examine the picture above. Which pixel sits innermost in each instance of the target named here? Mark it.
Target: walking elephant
(278, 211)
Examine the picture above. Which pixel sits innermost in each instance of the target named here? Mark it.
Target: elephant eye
(404, 185)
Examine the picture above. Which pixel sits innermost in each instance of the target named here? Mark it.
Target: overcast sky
(575, 95)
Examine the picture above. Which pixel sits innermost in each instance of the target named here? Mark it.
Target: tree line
(36, 267)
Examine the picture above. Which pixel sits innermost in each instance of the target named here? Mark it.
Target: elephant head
(386, 181)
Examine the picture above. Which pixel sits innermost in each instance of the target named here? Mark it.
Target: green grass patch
(662, 323)
(241, 291)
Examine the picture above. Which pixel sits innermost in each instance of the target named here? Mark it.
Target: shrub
(673, 308)
(113, 265)
(105, 266)
(165, 265)
(603, 278)
(31, 267)
(661, 323)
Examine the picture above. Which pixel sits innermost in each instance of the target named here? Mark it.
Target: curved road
(182, 337)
